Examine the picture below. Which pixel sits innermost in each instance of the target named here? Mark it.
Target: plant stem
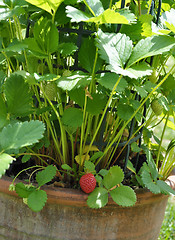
(90, 9)
(63, 134)
(161, 140)
(104, 112)
(110, 4)
(83, 126)
(37, 166)
(139, 6)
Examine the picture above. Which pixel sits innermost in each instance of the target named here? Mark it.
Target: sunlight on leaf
(98, 198)
(47, 5)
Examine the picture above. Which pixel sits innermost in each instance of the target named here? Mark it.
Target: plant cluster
(82, 85)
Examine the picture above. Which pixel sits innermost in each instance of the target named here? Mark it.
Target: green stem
(161, 140)
(110, 4)
(139, 6)
(92, 86)
(63, 134)
(49, 62)
(149, 6)
(25, 170)
(104, 112)
(38, 154)
(83, 126)
(90, 9)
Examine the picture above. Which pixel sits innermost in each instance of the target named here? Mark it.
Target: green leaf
(67, 49)
(51, 39)
(25, 158)
(34, 47)
(5, 161)
(96, 155)
(99, 101)
(171, 145)
(89, 166)
(135, 147)
(123, 196)
(18, 95)
(114, 177)
(9, 13)
(125, 111)
(46, 175)
(76, 15)
(109, 16)
(37, 200)
(96, 6)
(66, 167)
(151, 164)
(149, 182)
(47, 5)
(72, 117)
(108, 80)
(138, 70)
(165, 188)
(128, 15)
(21, 134)
(98, 198)
(24, 190)
(76, 80)
(86, 55)
(142, 92)
(78, 96)
(15, 46)
(115, 49)
(103, 172)
(131, 167)
(151, 46)
(168, 18)
(146, 20)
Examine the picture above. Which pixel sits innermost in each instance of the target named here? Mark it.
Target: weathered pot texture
(67, 217)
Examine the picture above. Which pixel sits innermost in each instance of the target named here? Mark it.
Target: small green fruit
(50, 91)
(66, 73)
(153, 77)
(156, 107)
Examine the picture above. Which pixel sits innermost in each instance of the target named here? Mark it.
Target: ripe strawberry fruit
(87, 183)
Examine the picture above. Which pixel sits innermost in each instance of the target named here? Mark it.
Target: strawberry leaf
(18, 96)
(99, 101)
(46, 175)
(21, 134)
(123, 196)
(5, 161)
(149, 182)
(98, 198)
(165, 188)
(37, 200)
(89, 166)
(23, 190)
(72, 117)
(115, 176)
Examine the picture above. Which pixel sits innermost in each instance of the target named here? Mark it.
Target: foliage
(168, 230)
(80, 81)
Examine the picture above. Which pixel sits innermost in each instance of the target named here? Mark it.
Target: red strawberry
(88, 182)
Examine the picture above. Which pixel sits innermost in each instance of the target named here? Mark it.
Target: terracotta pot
(67, 217)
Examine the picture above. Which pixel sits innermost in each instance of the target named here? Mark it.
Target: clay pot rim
(76, 197)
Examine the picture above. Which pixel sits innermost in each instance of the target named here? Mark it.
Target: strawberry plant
(82, 86)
